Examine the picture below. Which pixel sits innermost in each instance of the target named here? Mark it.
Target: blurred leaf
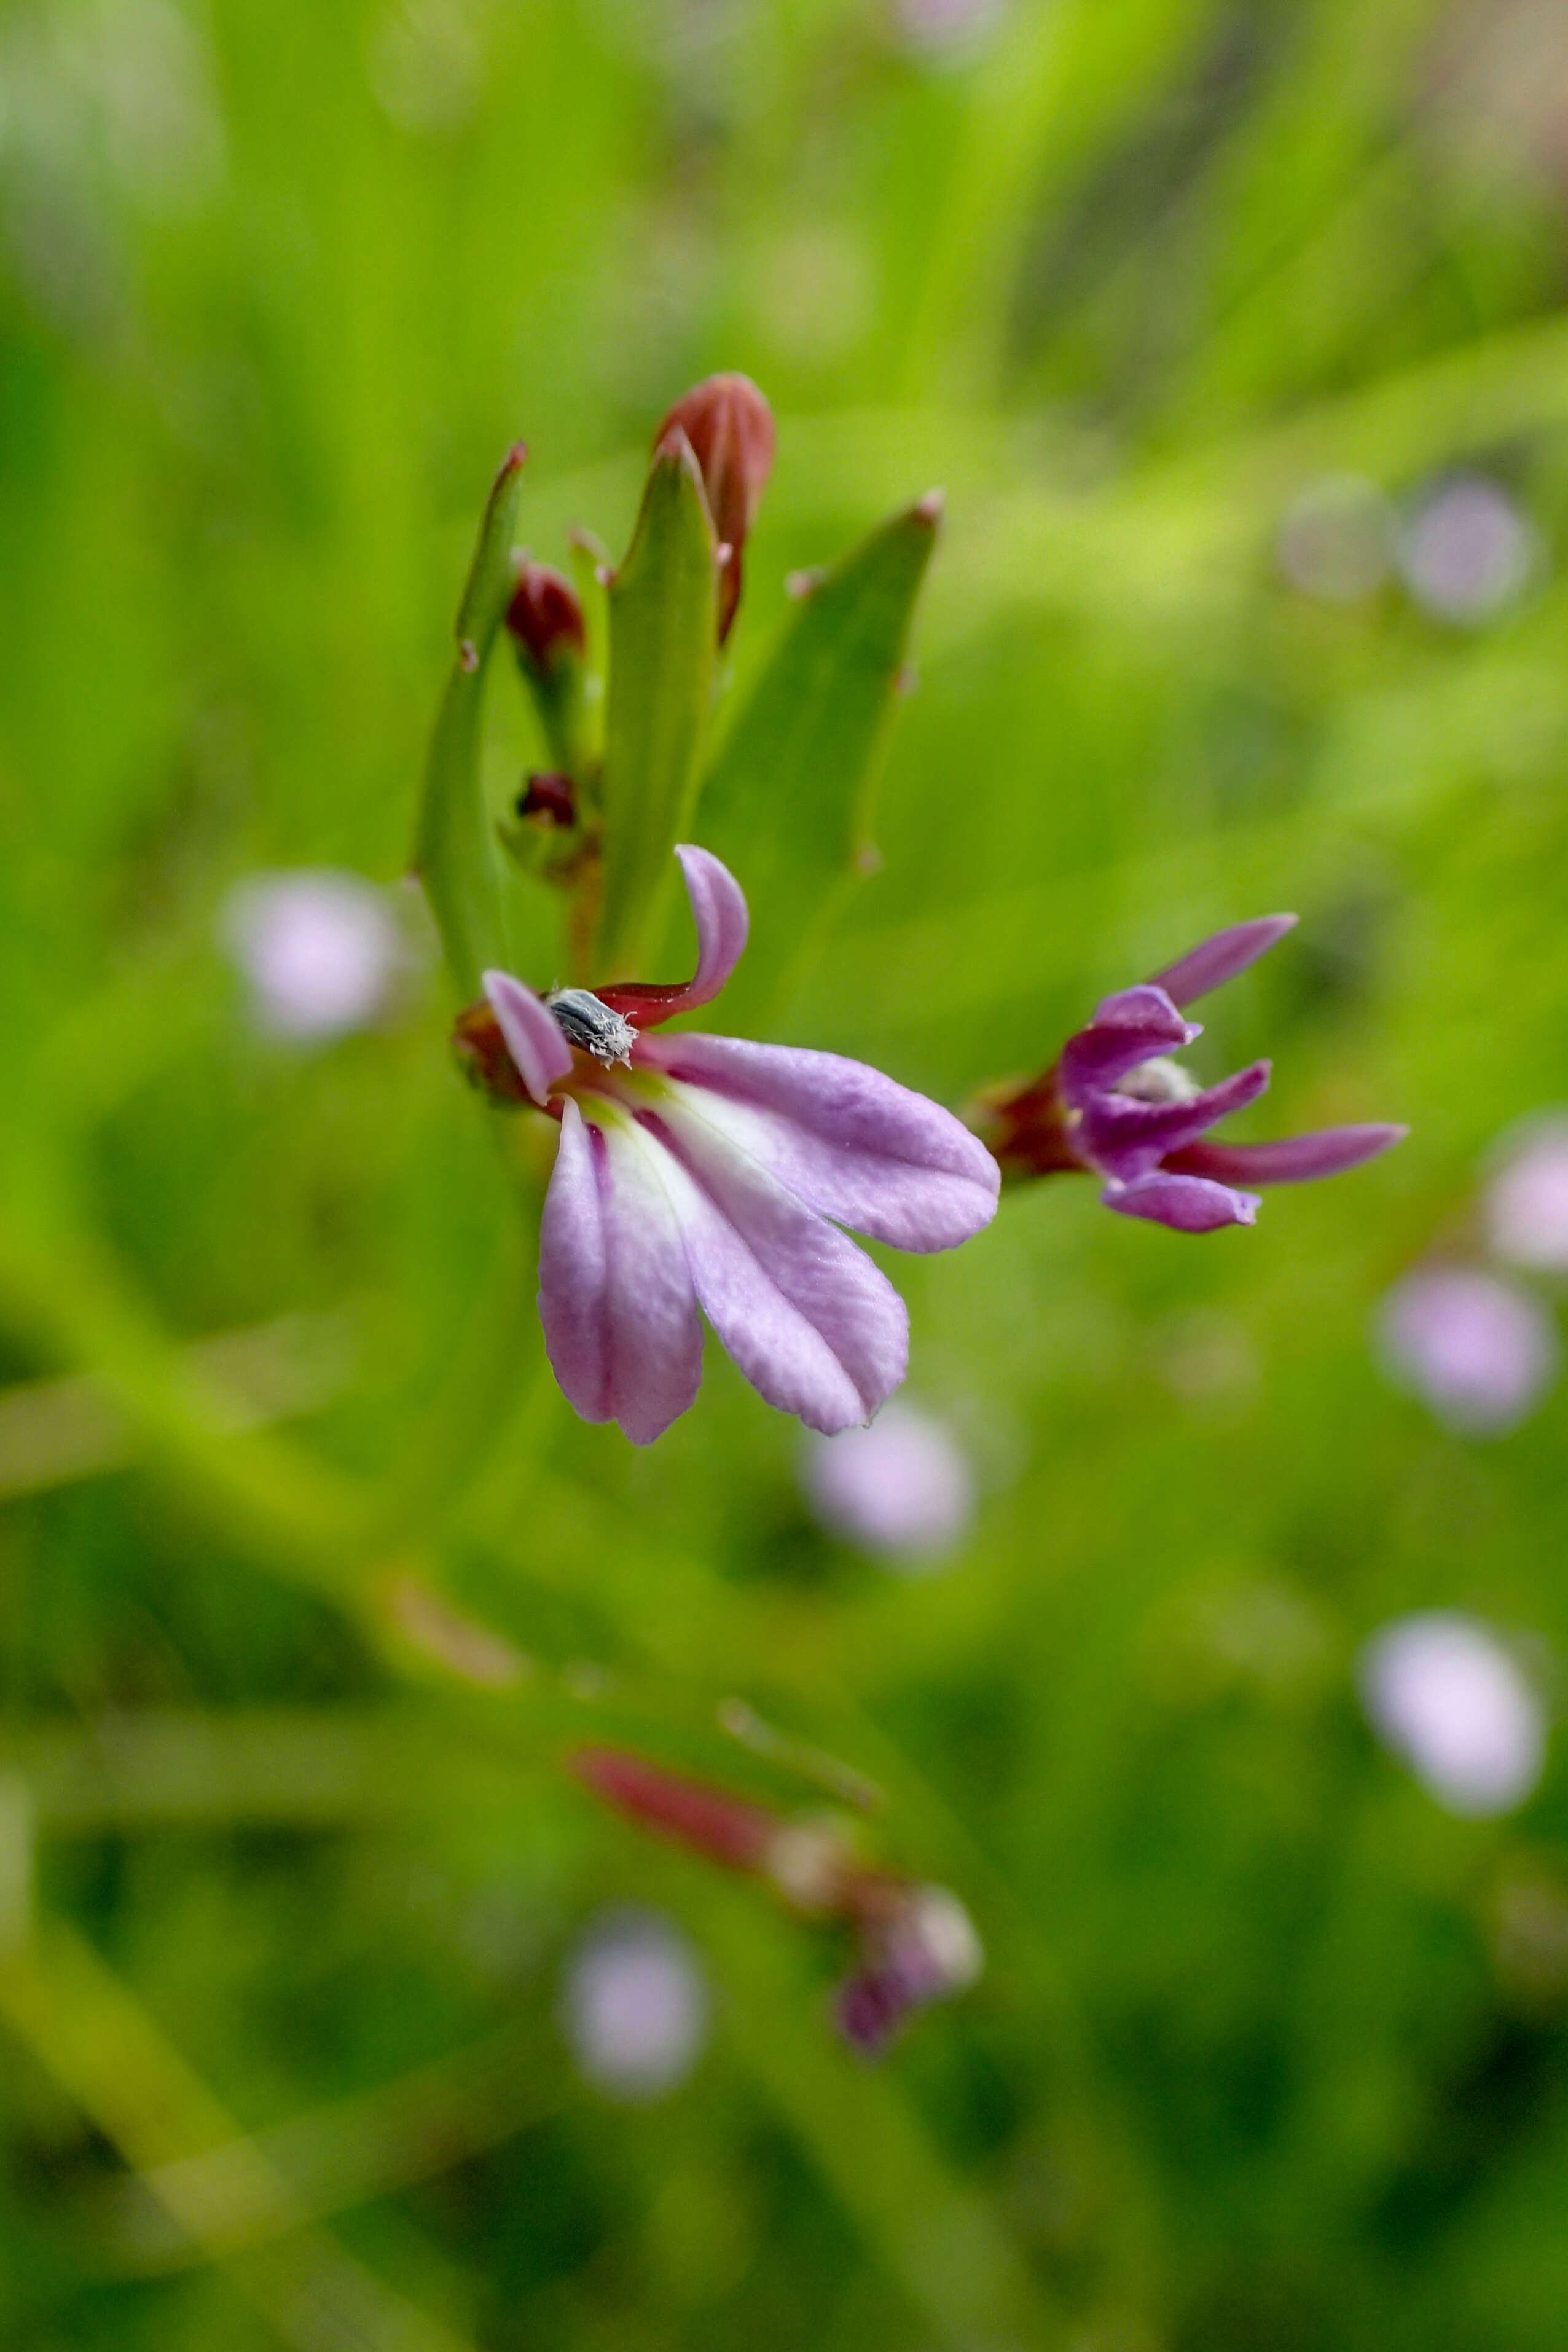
(456, 852)
(789, 800)
(662, 638)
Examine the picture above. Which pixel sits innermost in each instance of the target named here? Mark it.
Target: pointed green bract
(456, 853)
(788, 803)
(663, 627)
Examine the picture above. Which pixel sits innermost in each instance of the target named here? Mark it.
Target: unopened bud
(725, 1828)
(552, 799)
(731, 428)
(545, 618)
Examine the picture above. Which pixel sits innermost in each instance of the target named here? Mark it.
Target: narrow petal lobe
(1187, 1204)
(532, 1037)
(1129, 1028)
(616, 1296)
(1294, 1160)
(1213, 961)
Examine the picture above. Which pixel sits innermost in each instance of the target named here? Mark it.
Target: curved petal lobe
(1187, 1204)
(532, 1037)
(850, 1143)
(1213, 961)
(719, 912)
(1128, 1028)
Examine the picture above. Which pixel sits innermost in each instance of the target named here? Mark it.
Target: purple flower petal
(1187, 1204)
(719, 912)
(532, 1037)
(1128, 1139)
(1294, 1160)
(870, 2006)
(615, 1294)
(850, 1143)
(1128, 1028)
(814, 1325)
(1213, 961)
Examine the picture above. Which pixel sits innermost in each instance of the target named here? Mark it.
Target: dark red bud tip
(544, 616)
(552, 798)
(730, 429)
(723, 1827)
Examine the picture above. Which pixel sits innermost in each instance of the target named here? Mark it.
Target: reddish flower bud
(550, 798)
(544, 617)
(731, 428)
(723, 1827)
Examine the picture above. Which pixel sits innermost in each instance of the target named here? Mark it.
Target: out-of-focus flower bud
(1478, 1352)
(544, 619)
(725, 1828)
(731, 428)
(1448, 1694)
(550, 798)
(914, 1944)
(923, 1949)
(634, 2005)
(320, 953)
(900, 1487)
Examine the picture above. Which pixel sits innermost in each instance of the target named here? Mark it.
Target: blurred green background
(1256, 2065)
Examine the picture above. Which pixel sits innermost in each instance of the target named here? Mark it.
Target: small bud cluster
(914, 1944)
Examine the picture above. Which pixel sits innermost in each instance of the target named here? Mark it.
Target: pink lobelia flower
(697, 1171)
(1114, 1105)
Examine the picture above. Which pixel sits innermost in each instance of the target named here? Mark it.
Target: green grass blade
(456, 851)
(790, 798)
(663, 629)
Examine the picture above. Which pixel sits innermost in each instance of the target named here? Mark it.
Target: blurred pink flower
(1468, 551)
(1478, 1352)
(697, 1171)
(634, 2005)
(902, 1487)
(1526, 1204)
(1445, 1693)
(319, 951)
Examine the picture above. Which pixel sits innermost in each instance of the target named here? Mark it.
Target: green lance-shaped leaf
(788, 805)
(456, 852)
(663, 628)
